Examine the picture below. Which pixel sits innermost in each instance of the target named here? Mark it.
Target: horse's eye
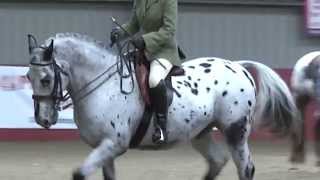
(45, 82)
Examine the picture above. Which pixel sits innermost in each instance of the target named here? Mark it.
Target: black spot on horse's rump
(210, 60)
(194, 91)
(207, 70)
(236, 131)
(112, 124)
(205, 65)
(230, 68)
(198, 79)
(119, 134)
(178, 87)
(125, 97)
(208, 89)
(224, 93)
(187, 120)
(241, 90)
(183, 107)
(189, 77)
(216, 82)
(205, 113)
(249, 103)
(179, 82)
(187, 84)
(228, 83)
(195, 84)
(236, 102)
(191, 67)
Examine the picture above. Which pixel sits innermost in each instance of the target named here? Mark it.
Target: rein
(124, 60)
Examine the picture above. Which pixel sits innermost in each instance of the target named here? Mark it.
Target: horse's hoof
(208, 177)
(297, 159)
(78, 176)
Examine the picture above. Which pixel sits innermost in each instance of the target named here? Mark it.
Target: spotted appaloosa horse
(305, 82)
(213, 93)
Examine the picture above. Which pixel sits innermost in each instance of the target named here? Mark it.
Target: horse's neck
(86, 63)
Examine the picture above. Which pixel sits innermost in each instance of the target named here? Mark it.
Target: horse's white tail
(275, 106)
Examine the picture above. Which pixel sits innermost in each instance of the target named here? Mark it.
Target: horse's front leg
(108, 170)
(100, 156)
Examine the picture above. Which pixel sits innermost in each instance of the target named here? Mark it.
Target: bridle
(56, 94)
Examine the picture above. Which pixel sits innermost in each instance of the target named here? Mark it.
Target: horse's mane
(81, 37)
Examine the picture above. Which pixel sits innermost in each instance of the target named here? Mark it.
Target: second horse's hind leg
(298, 137)
(237, 137)
(213, 152)
(317, 140)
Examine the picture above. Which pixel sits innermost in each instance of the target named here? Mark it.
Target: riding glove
(139, 43)
(114, 35)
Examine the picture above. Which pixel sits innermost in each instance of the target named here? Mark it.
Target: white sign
(312, 15)
(16, 104)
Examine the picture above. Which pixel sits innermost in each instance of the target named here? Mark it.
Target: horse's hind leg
(213, 152)
(237, 138)
(298, 137)
(107, 151)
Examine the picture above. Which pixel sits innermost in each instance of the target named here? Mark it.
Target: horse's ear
(48, 52)
(32, 42)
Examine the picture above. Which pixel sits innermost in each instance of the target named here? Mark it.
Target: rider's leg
(158, 93)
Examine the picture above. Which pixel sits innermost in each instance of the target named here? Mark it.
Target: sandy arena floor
(56, 160)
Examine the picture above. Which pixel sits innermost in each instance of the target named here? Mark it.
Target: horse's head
(48, 79)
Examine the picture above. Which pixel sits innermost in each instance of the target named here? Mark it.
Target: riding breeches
(159, 69)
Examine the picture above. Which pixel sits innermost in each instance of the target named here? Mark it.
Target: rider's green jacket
(157, 19)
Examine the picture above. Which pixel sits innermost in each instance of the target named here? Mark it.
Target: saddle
(142, 69)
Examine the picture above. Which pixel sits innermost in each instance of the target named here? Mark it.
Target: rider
(157, 19)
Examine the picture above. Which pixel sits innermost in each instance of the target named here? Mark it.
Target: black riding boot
(159, 99)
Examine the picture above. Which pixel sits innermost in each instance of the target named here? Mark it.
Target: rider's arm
(155, 40)
(132, 27)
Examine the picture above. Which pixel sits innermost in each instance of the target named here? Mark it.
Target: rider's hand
(139, 43)
(114, 35)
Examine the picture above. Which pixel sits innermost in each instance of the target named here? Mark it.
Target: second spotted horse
(305, 83)
(213, 93)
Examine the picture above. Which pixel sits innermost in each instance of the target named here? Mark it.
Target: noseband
(56, 94)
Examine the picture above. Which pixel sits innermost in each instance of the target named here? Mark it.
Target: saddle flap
(176, 71)
(142, 76)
